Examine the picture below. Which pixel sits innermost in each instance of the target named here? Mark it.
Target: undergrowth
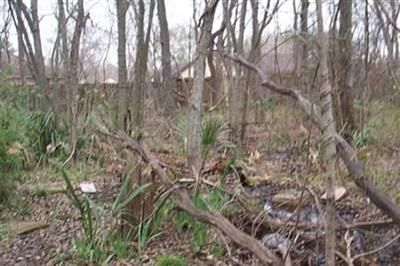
(171, 260)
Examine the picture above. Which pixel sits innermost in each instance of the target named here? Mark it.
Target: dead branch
(351, 259)
(184, 202)
(376, 249)
(346, 152)
(366, 225)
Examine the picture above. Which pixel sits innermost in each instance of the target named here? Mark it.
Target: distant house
(279, 58)
(278, 61)
(110, 81)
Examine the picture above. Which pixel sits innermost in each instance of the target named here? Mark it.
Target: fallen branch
(366, 225)
(367, 253)
(346, 152)
(351, 259)
(184, 202)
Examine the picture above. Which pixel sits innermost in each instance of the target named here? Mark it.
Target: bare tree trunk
(21, 54)
(304, 43)
(168, 83)
(329, 152)
(33, 51)
(55, 63)
(214, 84)
(142, 49)
(62, 24)
(141, 206)
(385, 22)
(252, 80)
(346, 119)
(73, 73)
(21, 58)
(196, 101)
(238, 90)
(38, 52)
(122, 8)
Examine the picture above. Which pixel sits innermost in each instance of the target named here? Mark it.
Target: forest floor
(276, 171)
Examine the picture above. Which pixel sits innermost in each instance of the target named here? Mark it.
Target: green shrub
(383, 126)
(44, 135)
(171, 260)
(97, 245)
(10, 160)
(198, 231)
(211, 127)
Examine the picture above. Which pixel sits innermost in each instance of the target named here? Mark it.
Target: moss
(171, 260)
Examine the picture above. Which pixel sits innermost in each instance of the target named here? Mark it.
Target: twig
(212, 108)
(365, 225)
(350, 260)
(348, 240)
(285, 253)
(376, 249)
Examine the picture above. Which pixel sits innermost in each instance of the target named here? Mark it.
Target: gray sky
(102, 14)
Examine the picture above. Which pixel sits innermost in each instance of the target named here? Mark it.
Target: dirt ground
(269, 172)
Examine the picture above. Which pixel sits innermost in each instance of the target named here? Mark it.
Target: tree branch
(346, 152)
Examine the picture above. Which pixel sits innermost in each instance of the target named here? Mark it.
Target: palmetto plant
(92, 215)
(212, 126)
(44, 135)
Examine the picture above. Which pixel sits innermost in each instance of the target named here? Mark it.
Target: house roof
(277, 58)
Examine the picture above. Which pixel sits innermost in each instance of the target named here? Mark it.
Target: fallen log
(266, 256)
(346, 152)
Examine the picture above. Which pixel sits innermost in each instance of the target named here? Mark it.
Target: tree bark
(33, 51)
(168, 83)
(142, 205)
(238, 90)
(140, 71)
(62, 24)
(329, 149)
(304, 43)
(37, 43)
(196, 100)
(73, 72)
(122, 113)
(346, 119)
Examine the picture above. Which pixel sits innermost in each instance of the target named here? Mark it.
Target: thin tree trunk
(73, 74)
(238, 90)
(122, 7)
(33, 51)
(329, 152)
(304, 43)
(196, 101)
(37, 43)
(21, 59)
(346, 118)
(168, 83)
(62, 24)
(142, 205)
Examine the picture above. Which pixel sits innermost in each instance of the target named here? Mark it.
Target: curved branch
(266, 256)
(346, 152)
